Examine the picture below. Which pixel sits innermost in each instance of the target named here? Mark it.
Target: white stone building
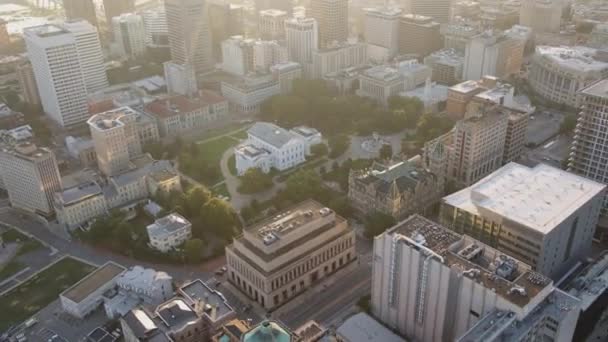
(270, 146)
(167, 233)
(237, 55)
(302, 39)
(272, 24)
(129, 35)
(245, 95)
(79, 205)
(268, 53)
(382, 31)
(337, 58)
(380, 83)
(90, 54)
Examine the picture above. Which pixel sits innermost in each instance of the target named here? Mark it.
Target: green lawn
(11, 268)
(240, 135)
(27, 244)
(210, 154)
(40, 290)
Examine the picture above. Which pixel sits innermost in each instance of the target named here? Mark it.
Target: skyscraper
(189, 34)
(114, 8)
(332, 18)
(590, 145)
(129, 34)
(53, 52)
(418, 35)
(90, 54)
(31, 177)
(283, 5)
(439, 10)
(382, 29)
(548, 11)
(272, 24)
(301, 36)
(80, 9)
(27, 83)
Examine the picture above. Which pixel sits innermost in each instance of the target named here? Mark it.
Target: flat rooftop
(466, 87)
(89, 284)
(363, 328)
(45, 31)
(510, 278)
(167, 225)
(383, 73)
(598, 89)
(176, 314)
(591, 283)
(216, 305)
(579, 58)
(528, 195)
(80, 192)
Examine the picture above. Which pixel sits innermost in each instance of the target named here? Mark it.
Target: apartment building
(398, 189)
(53, 52)
(269, 146)
(280, 257)
(587, 154)
(382, 31)
(418, 35)
(30, 176)
(79, 205)
(119, 136)
(169, 232)
(272, 24)
(520, 211)
(129, 35)
(178, 114)
(332, 18)
(431, 284)
(558, 74)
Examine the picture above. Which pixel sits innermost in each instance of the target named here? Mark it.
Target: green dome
(267, 331)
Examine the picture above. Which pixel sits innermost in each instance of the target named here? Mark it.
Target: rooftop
(173, 106)
(383, 73)
(271, 134)
(46, 31)
(591, 283)
(215, 304)
(579, 58)
(89, 284)
(116, 118)
(79, 193)
(385, 11)
(404, 175)
(250, 151)
(140, 323)
(528, 195)
(167, 225)
(363, 328)
(176, 314)
(508, 277)
(598, 89)
(272, 13)
(447, 56)
(268, 331)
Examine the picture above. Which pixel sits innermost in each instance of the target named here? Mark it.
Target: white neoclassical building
(169, 232)
(270, 146)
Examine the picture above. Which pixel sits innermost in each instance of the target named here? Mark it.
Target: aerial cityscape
(303, 170)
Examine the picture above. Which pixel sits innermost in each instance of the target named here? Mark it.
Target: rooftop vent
(325, 212)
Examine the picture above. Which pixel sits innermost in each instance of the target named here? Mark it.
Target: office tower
(332, 18)
(457, 34)
(27, 83)
(590, 145)
(80, 9)
(31, 177)
(155, 26)
(189, 35)
(382, 29)
(268, 53)
(282, 5)
(272, 24)
(418, 35)
(129, 34)
(225, 21)
(543, 215)
(431, 284)
(114, 8)
(90, 54)
(559, 73)
(447, 65)
(286, 74)
(439, 10)
(118, 136)
(180, 79)
(541, 15)
(302, 39)
(338, 58)
(237, 55)
(53, 52)
(495, 53)
(5, 39)
(272, 276)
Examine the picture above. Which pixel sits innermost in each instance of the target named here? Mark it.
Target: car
(21, 337)
(30, 322)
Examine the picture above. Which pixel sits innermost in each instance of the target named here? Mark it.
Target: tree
(318, 150)
(219, 217)
(338, 145)
(193, 199)
(254, 181)
(386, 151)
(302, 185)
(376, 223)
(193, 249)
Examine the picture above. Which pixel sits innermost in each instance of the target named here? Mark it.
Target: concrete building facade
(418, 35)
(332, 18)
(129, 35)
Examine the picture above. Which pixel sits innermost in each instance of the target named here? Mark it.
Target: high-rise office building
(80, 9)
(225, 20)
(53, 52)
(590, 145)
(237, 55)
(27, 83)
(189, 34)
(31, 177)
(332, 18)
(541, 15)
(114, 8)
(382, 29)
(418, 35)
(90, 54)
(271, 24)
(155, 26)
(129, 34)
(542, 215)
(431, 284)
(439, 10)
(118, 136)
(302, 39)
(283, 5)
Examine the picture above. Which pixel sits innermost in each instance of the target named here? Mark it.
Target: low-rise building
(270, 146)
(430, 284)
(338, 57)
(79, 205)
(279, 258)
(397, 189)
(521, 211)
(117, 96)
(380, 83)
(168, 232)
(86, 295)
(245, 95)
